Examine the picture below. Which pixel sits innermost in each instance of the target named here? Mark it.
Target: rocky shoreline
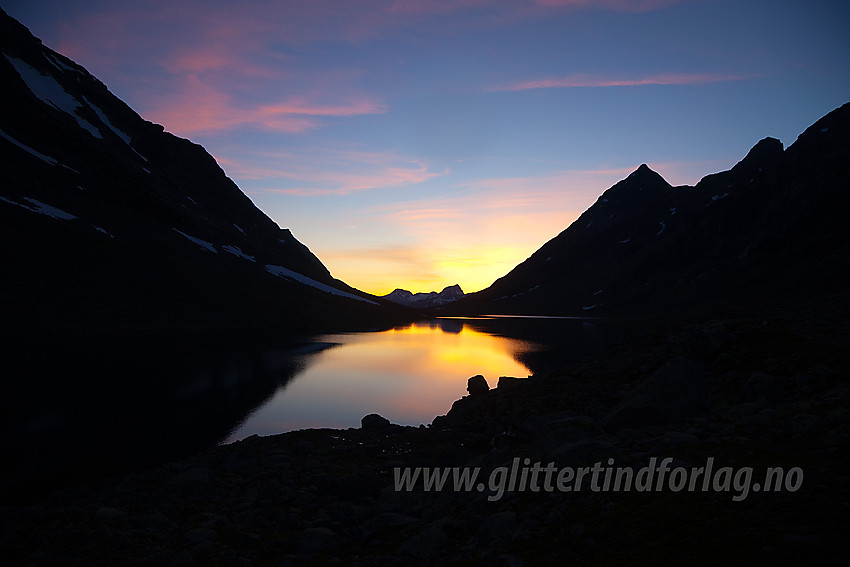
(771, 392)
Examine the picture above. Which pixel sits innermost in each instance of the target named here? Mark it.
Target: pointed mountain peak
(638, 184)
(765, 145)
(644, 172)
(765, 156)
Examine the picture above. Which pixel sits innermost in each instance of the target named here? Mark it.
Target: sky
(425, 143)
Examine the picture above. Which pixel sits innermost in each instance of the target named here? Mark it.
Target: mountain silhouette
(109, 222)
(424, 300)
(768, 231)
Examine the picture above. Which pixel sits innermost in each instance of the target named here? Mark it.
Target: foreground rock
(330, 497)
(477, 385)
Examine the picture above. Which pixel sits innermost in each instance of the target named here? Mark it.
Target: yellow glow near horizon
(472, 269)
(473, 261)
(471, 239)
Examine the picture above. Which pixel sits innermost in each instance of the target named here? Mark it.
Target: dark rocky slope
(769, 231)
(110, 223)
(145, 299)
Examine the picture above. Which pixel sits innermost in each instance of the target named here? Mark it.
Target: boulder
(374, 422)
(477, 385)
(509, 382)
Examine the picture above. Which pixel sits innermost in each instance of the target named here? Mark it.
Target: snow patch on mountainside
(56, 62)
(107, 123)
(51, 93)
(48, 210)
(118, 132)
(29, 150)
(295, 276)
(202, 243)
(236, 251)
(41, 208)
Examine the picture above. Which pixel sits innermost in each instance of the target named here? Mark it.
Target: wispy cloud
(213, 68)
(595, 81)
(487, 202)
(433, 6)
(618, 5)
(329, 172)
(206, 66)
(201, 107)
(475, 234)
(487, 226)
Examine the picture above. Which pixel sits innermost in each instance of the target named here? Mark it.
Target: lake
(413, 373)
(78, 408)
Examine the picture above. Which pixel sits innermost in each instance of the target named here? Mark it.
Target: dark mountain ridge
(768, 231)
(147, 304)
(109, 222)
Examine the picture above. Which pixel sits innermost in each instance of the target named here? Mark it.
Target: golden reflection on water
(408, 375)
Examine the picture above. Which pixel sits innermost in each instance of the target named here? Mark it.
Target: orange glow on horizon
(472, 269)
(478, 236)
(474, 266)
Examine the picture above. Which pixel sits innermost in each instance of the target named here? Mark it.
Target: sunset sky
(420, 144)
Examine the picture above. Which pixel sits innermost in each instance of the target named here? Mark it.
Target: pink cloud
(203, 107)
(219, 60)
(433, 6)
(165, 27)
(303, 107)
(428, 214)
(618, 5)
(500, 198)
(198, 60)
(222, 64)
(331, 172)
(592, 81)
(345, 183)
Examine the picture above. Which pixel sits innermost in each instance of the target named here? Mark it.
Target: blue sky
(424, 143)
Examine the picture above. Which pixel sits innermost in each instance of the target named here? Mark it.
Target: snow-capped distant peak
(422, 299)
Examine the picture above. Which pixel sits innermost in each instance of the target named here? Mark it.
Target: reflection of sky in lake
(408, 375)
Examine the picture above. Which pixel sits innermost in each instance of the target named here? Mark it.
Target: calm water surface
(409, 374)
(77, 409)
